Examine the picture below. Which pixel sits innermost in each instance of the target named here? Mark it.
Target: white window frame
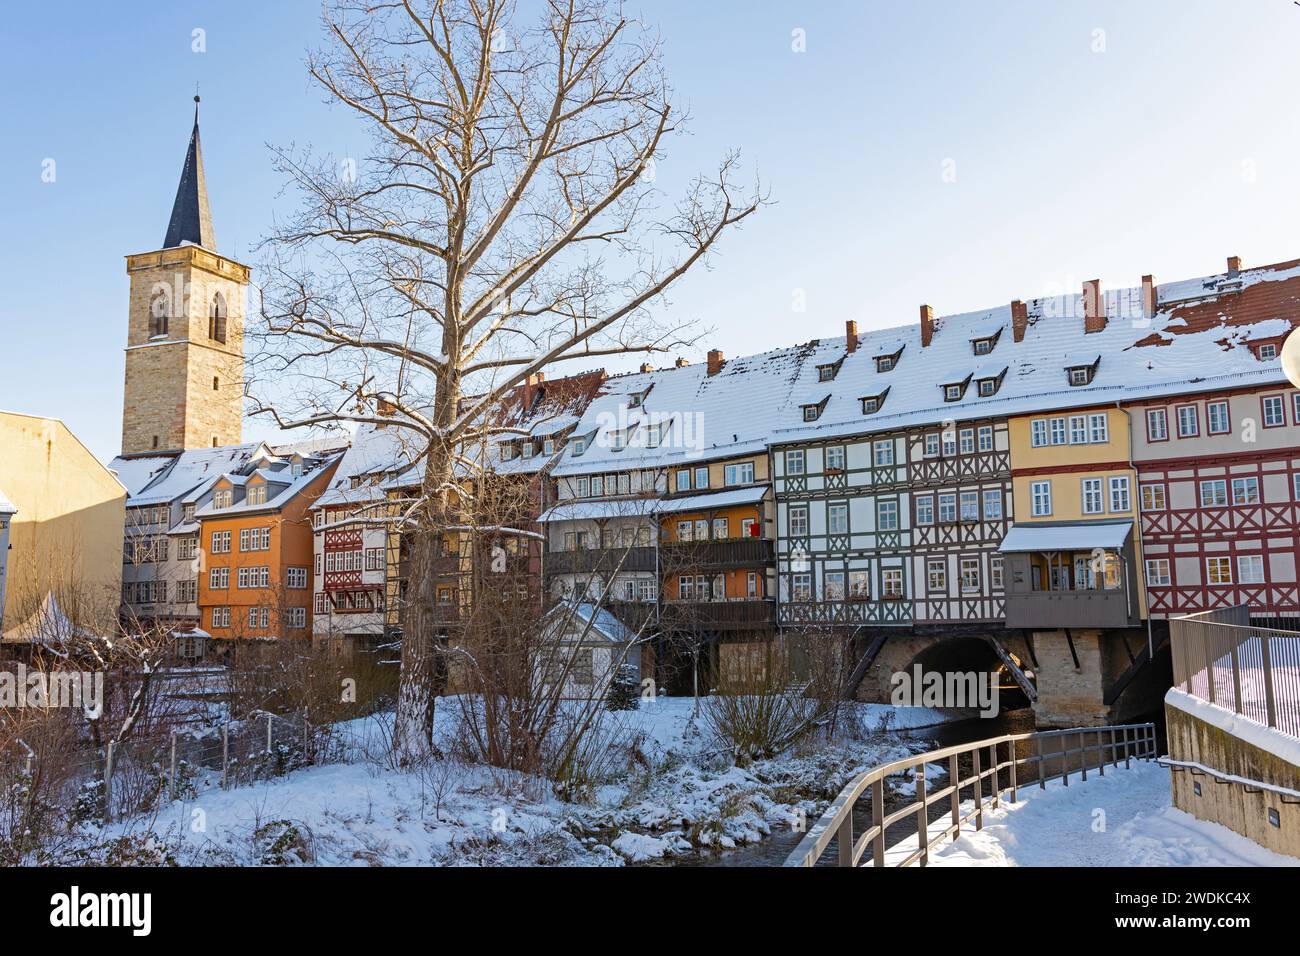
(1040, 494)
(1092, 496)
(1120, 494)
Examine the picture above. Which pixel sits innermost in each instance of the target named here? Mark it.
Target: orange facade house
(255, 580)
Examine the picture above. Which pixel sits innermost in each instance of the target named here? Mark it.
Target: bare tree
(505, 220)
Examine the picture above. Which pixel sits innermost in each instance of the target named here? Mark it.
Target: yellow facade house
(65, 534)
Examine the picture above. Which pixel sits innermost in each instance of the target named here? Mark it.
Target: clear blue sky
(1172, 149)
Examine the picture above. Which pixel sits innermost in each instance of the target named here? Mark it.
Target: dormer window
(983, 343)
(528, 449)
(954, 390)
(887, 358)
(1266, 351)
(827, 373)
(813, 412)
(257, 495)
(548, 446)
(221, 498)
(884, 363)
(1081, 369)
(983, 346)
(618, 440)
(989, 379)
(637, 399)
(872, 403)
(987, 386)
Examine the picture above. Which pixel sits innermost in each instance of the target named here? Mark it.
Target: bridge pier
(1076, 670)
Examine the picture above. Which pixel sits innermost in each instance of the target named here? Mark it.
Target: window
(320, 603)
(296, 578)
(751, 584)
(987, 386)
(883, 452)
(810, 412)
(1119, 494)
(1038, 432)
(217, 318)
(995, 571)
(1157, 572)
(1058, 431)
(799, 520)
(1189, 424)
(1217, 421)
(684, 480)
(936, 575)
(218, 578)
(1218, 571)
(749, 527)
(1078, 430)
(721, 529)
(252, 616)
(1041, 497)
(837, 519)
(986, 438)
(1093, 500)
(598, 485)
(887, 515)
(701, 478)
(1245, 491)
(970, 506)
(579, 445)
(794, 462)
(925, 508)
(1098, 431)
(835, 458)
(221, 498)
(970, 575)
(983, 346)
(1153, 497)
(859, 585)
(1214, 494)
(947, 508)
(801, 587)
(1295, 486)
(992, 504)
(966, 440)
(318, 564)
(1266, 352)
(1274, 411)
(952, 393)
(891, 583)
(949, 443)
(159, 312)
(739, 474)
(1295, 407)
(1250, 569)
(834, 588)
(187, 591)
(932, 445)
(870, 404)
(297, 617)
(221, 617)
(1157, 425)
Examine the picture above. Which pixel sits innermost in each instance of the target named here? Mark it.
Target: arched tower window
(217, 318)
(160, 308)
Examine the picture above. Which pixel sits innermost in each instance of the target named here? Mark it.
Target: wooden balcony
(744, 614)
(603, 560)
(1082, 608)
(728, 553)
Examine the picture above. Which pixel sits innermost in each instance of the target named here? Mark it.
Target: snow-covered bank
(1122, 819)
(677, 797)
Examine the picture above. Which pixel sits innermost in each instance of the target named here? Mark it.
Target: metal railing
(1048, 752)
(1220, 657)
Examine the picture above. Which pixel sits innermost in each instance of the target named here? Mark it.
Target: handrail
(1123, 742)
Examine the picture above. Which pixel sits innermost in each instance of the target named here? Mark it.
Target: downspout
(1137, 525)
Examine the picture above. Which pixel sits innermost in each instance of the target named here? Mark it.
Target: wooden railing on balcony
(729, 552)
(606, 560)
(721, 615)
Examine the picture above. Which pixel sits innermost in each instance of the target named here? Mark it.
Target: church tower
(185, 334)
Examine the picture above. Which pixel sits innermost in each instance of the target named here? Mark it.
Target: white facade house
(589, 646)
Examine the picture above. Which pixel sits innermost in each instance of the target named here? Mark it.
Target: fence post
(108, 783)
(225, 755)
(171, 777)
(979, 790)
(1083, 758)
(1236, 680)
(1042, 766)
(306, 737)
(845, 837)
(1267, 661)
(878, 821)
(269, 718)
(954, 776)
(1011, 754)
(922, 818)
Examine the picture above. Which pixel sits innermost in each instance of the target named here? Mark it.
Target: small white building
(590, 644)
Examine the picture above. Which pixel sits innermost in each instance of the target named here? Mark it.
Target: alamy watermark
(974, 690)
(22, 688)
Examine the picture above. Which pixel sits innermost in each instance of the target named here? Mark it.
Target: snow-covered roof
(7, 507)
(376, 451)
(719, 499)
(1191, 344)
(160, 480)
(1066, 536)
(274, 502)
(603, 623)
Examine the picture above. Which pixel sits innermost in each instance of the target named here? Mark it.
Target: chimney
(1234, 266)
(927, 325)
(715, 361)
(851, 334)
(681, 363)
(1094, 309)
(1148, 297)
(1019, 319)
(647, 367)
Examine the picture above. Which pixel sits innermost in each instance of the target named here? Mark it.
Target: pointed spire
(191, 220)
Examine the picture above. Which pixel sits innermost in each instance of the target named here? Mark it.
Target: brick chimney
(1019, 319)
(1148, 297)
(715, 361)
(1234, 266)
(681, 363)
(851, 334)
(647, 367)
(927, 325)
(1094, 309)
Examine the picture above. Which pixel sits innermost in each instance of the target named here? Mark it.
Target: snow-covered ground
(1122, 819)
(675, 796)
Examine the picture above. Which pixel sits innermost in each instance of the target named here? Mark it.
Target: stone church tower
(185, 337)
